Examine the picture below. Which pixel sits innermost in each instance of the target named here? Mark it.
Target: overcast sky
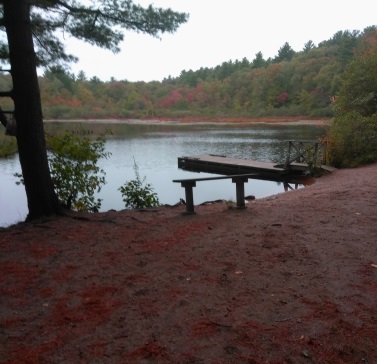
(219, 31)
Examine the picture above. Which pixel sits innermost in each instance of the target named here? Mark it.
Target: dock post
(240, 191)
(315, 154)
(287, 161)
(188, 185)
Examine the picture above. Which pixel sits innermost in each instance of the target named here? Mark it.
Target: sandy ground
(290, 279)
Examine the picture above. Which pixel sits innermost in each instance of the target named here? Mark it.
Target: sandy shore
(290, 279)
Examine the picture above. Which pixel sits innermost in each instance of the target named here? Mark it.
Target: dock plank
(225, 165)
(237, 162)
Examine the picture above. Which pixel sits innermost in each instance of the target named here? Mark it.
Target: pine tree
(31, 41)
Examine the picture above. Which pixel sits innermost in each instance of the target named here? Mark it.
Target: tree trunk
(41, 197)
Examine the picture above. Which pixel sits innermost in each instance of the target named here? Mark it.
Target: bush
(353, 135)
(74, 170)
(353, 140)
(8, 145)
(137, 195)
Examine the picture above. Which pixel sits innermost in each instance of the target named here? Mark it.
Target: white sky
(219, 31)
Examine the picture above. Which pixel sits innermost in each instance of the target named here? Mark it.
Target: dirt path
(290, 279)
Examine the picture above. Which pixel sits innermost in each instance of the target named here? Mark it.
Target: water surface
(155, 149)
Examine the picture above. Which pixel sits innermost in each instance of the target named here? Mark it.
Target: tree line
(290, 84)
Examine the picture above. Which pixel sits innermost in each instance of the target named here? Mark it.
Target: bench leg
(240, 191)
(189, 196)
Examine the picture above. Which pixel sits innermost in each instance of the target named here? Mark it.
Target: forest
(294, 83)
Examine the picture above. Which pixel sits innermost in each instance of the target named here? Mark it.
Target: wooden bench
(238, 179)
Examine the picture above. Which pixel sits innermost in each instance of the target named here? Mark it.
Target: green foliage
(99, 23)
(8, 144)
(353, 135)
(353, 140)
(136, 194)
(308, 46)
(285, 53)
(258, 61)
(74, 170)
(359, 89)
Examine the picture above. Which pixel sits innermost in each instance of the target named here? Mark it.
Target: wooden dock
(231, 166)
(303, 158)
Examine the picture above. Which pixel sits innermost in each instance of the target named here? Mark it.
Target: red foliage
(283, 97)
(170, 100)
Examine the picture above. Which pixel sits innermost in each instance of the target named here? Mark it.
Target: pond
(155, 149)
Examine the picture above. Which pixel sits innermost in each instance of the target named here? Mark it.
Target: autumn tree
(30, 39)
(353, 134)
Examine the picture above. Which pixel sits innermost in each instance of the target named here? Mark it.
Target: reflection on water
(12, 197)
(155, 148)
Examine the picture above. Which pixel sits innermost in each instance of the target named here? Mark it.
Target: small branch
(219, 324)
(134, 218)
(6, 93)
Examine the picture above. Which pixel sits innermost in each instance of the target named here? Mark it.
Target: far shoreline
(196, 120)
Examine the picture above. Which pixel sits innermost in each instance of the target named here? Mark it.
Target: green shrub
(8, 145)
(137, 195)
(353, 140)
(74, 170)
(353, 135)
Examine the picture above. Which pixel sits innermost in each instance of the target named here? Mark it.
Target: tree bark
(41, 197)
